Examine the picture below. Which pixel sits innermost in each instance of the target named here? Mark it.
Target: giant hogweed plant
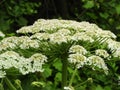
(62, 45)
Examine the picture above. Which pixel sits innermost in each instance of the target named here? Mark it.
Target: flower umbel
(78, 59)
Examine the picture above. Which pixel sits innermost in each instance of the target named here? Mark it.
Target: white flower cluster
(11, 59)
(97, 61)
(22, 42)
(61, 31)
(54, 37)
(77, 57)
(101, 52)
(82, 36)
(117, 53)
(2, 34)
(77, 49)
(114, 46)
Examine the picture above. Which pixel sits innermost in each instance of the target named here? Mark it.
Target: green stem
(1, 85)
(72, 78)
(10, 85)
(64, 73)
(81, 84)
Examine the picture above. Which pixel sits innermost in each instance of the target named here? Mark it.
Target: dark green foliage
(13, 13)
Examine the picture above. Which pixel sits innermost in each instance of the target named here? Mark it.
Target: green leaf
(38, 84)
(99, 88)
(1, 87)
(104, 15)
(118, 27)
(88, 4)
(58, 65)
(47, 72)
(58, 77)
(118, 9)
(22, 21)
(107, 88)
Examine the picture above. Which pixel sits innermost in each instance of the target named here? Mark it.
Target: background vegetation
(105, 13)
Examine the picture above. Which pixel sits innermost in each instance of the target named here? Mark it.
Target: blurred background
(17, 13)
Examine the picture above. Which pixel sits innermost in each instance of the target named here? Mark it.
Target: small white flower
(78, 59)
(2, 74)
(112, 44)
(77, 49)
(101, 52)
(33, 64)
(41, 36)
(64, 31)
(97, 61)
(25, 29)
(2, 34)
(28, 43)
(82, 36)
(117, 53)
(38, 57)
(68, 88)
(58, 38)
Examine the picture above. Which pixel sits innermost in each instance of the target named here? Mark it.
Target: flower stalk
(10, 85)
(72, 78)
(64, 73)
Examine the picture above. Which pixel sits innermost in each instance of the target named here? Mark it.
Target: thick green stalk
(64, 73)
(10, 85)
